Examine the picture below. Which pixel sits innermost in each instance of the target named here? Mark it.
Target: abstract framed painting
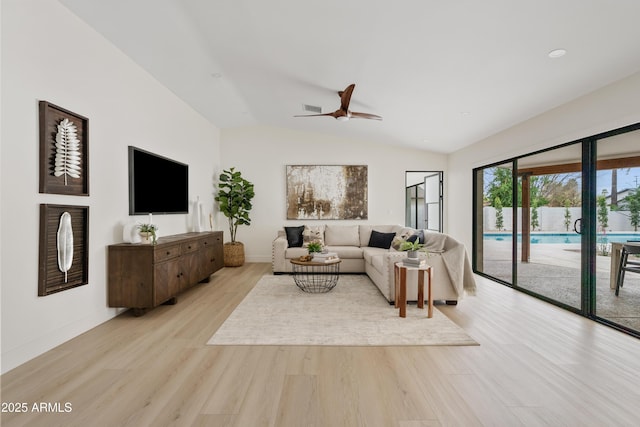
(327, 192)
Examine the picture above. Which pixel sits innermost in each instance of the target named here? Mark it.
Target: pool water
(563, 237)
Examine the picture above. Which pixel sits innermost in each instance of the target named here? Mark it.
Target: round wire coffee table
(316, 277)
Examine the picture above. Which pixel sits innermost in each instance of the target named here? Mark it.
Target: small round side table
(400, 274)
(316, 277)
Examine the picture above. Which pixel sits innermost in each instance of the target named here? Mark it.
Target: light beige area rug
(354, 313)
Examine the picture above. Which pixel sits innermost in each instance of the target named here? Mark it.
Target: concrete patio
(554, 271)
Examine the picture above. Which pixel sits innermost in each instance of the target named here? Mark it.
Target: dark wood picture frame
(50, 116)
(50, 278)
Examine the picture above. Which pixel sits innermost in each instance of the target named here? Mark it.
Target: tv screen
(157, 184)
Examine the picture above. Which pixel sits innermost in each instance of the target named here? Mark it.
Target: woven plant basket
(233, 254)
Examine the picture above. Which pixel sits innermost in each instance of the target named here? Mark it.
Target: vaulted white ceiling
(443, 74)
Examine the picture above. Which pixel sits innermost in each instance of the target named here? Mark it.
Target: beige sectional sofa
(452, 274)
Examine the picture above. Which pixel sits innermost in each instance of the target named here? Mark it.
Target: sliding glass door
(493, 214)
(549, 254)
(618, 221)
(552, 224)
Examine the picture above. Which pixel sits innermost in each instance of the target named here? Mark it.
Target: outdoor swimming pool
(563, 237)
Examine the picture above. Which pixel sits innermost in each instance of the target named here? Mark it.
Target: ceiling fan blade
(345, 97)
(355, 115)
(318, 115)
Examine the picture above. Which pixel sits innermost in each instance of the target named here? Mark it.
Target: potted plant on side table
(412, 248)
(234, 196)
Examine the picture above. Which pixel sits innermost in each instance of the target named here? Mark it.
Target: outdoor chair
(626, 264)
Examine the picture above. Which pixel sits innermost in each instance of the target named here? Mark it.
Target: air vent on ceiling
(312, 108)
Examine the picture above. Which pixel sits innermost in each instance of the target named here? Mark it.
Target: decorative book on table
(325, 257)
(414, 262)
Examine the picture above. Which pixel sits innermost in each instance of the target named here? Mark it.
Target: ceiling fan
(343, 114)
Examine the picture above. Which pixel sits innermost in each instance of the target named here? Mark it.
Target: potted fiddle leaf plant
(234, 197)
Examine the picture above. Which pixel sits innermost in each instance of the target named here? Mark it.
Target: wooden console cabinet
(143, 276)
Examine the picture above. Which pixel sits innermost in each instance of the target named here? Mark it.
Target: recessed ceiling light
(557, 53)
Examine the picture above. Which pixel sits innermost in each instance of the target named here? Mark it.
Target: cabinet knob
(168, 252)
(188, 247)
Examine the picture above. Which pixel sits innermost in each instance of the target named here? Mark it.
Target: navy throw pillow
(294, 236)
(418, 235)
(381, 240)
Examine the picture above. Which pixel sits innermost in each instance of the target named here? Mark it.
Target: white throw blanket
(455, 260)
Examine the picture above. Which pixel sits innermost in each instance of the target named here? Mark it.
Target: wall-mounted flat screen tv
(157, 184)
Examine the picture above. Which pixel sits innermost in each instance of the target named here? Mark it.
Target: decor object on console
(64, 254)
(148, 233)
(327, 192)
(64, 147)
(234, 196)
(130, 233)
(197, 216)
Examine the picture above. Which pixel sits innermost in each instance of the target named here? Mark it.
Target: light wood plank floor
(537, 365)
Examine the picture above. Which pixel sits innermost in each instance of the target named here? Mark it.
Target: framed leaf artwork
(64, 151)
(64, 248)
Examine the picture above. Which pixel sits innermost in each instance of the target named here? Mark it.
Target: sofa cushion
(313, 233)
(341, 235)
(294, 236)
(346, 252)
(381, 240)
(368, 253)
(377, 262)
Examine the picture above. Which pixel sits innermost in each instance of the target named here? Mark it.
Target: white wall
(262, 153)
(608, 108)
(49, 54)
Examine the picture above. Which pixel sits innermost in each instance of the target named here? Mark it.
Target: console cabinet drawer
(167, 252)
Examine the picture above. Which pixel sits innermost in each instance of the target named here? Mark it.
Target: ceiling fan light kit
(343, 114)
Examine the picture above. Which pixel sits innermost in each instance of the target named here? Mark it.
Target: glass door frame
(426, 174)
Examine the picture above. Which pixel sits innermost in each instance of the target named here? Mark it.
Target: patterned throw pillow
(401, 238)
(313, 233)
